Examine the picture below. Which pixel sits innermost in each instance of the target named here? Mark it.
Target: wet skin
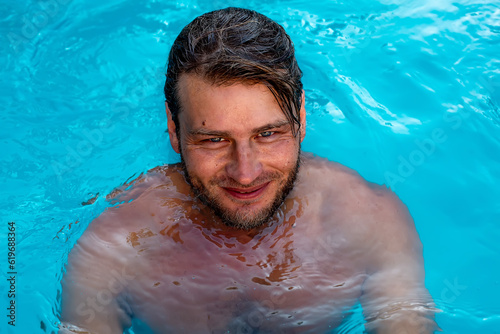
(161, 256)
(238, 147)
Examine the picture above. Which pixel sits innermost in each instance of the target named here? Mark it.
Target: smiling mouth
(246, 193)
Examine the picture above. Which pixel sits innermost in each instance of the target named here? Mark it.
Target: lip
(247, 193)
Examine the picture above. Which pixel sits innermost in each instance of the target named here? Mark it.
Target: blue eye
(216, 140)
(266, 133)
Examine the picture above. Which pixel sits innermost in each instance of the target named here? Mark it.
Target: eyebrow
(207, 132)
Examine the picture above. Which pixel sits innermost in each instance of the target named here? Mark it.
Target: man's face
(239, 153)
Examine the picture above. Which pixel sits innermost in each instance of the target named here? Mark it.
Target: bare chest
(203, 283)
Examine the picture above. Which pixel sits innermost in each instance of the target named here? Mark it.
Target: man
(247, 234)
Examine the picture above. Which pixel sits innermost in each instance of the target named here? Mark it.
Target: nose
(245, 165)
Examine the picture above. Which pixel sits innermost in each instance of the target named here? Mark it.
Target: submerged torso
(299, 273)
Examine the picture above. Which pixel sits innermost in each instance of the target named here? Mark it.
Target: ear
(172, 133)
(302, 115)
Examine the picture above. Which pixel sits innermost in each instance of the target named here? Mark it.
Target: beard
(243, 217)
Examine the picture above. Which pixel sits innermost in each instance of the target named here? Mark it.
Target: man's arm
(394, 298)
(96, 276)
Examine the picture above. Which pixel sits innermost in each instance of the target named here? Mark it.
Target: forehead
(215, 106)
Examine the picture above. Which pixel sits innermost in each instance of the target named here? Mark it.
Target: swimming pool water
(405, 92)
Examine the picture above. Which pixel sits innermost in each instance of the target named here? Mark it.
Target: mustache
(225, 181)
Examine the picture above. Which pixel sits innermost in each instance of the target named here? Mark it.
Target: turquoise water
(405, 92)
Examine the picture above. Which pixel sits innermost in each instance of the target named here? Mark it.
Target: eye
(266, 133)
(215, 140)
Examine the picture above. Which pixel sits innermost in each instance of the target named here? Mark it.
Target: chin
(243, 214)
(247, 218)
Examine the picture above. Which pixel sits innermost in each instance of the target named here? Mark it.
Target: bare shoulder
(133, 189)
(368, 209)
(339, 181)
(134, 205)
(105, 258)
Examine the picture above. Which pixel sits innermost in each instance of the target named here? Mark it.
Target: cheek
(203, 164)
(282, 154)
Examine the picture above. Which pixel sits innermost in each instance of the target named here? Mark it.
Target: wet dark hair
(236, 45)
